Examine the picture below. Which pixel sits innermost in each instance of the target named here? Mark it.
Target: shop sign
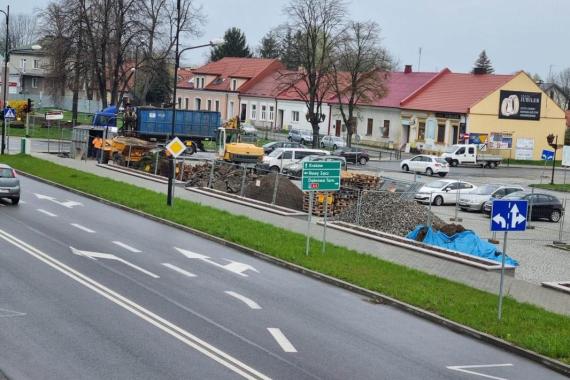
(519, 105)
(477, 138)
(524, 149)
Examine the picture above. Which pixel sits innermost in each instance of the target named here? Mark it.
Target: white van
(282, 157)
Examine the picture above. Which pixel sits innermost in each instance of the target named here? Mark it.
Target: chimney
(407, 69)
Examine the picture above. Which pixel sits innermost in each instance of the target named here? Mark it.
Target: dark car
(544, 206)
(353, 155)
(9, 184)
(270, 147)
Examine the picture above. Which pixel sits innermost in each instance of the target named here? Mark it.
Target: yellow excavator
(232, 149)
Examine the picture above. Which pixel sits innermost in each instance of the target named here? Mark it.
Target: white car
(444, 191)
(333, 142)
(248, 129)
(429, 165)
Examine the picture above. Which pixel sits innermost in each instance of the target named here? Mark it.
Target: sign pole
(502, 275)
(309, 223)
(325, 222)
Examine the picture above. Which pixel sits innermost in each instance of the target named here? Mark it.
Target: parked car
(300, 135)
(270, 147)
(443, 191)
(295, 170)
(9, 184)
(248, 129)
(353, 155)
(544, 206)
(470, 154)
(423, 163)
(282, 157)
(333, 142)
(475, 200)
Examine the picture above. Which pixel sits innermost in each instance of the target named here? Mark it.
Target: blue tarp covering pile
(465, 242)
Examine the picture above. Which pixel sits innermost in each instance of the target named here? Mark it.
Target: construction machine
(126, 151)
(231, 148)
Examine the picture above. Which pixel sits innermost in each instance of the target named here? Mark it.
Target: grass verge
(556, 187)
(558, 163)
(523, 324)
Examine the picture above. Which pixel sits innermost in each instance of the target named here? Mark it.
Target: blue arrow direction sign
(507, 215)
(547, 155)
(9, 113)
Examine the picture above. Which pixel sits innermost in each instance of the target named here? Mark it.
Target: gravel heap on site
(288, 194)
(388, 213)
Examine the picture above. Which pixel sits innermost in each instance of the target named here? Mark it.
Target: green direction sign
(321, 176)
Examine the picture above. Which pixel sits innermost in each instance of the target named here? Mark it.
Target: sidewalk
(519, 289)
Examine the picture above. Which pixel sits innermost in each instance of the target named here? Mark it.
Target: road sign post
(319, 176)
(507, 215)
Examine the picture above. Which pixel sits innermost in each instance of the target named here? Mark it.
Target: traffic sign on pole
(321, 176)
(547, 155)
(9, 113)
(176, 147)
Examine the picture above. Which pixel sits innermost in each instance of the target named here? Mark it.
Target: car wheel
(363, 161)
(405, 168)
(302, 142)
(442, 174)
(322, 146)
(492, 165)
(454, 163)
(438, 201)
(290, 139)
(429, 172)
(15, 201)
(275, 169)
(555, 216)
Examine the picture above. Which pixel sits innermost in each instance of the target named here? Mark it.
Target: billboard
(519, 105)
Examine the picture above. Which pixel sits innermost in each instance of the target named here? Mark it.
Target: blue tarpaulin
(465, 242)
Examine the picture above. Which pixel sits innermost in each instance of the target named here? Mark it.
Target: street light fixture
(177, 55)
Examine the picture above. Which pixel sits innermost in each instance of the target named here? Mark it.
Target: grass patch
(524, 325)
(557, 163)
(38, 132)
(556, 187)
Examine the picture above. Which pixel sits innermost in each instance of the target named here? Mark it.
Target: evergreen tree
(160, 89)
(234, 45)
(290, 50)
(483, 64)
(269, 46)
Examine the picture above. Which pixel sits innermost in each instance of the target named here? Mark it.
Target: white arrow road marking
(5, 313)
(179, 270)
(127, 247)
(233, 266)
(500, 220)
(83, 228)
(46, 212)
(164, 325)
(249, 302)
(463, 368)
(68, 204)
(281, 339)
(108, 256)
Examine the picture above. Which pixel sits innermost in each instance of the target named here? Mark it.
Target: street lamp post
(177, 55)
(5, 82)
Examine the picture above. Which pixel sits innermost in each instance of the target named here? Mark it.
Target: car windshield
(485, 189)
(440, 160)
(306, 133)
(451, 149)
(270, 144)
(437, 184)
(6, 173)
(312, 158)
(515, 195)
(275, 153)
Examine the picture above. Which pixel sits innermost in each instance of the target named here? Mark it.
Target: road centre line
(127, 247)
(83, 228)
(182, 335)
(252, 304)
(281, 339)
(179, 270)
(46, 212)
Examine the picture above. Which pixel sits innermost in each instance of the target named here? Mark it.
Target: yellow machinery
(126, 150)
(230, 147)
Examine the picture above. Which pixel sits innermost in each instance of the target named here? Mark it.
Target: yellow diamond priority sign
(176, 147)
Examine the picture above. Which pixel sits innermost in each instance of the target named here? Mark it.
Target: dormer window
(234, 84)
(200, 82)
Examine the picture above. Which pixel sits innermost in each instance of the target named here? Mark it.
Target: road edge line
(550, 363)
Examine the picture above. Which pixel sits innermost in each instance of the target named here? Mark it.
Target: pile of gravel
(389, 213)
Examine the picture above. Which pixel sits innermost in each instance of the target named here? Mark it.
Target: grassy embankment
(523, 324)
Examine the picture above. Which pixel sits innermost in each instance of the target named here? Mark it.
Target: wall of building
(290, 106)
(429, 131)
(226, 99)
(258, 119)
(483, 118)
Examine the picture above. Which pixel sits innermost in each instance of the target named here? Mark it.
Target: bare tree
(24, 31)
(360, 66)
(562, 80)
(318, 24)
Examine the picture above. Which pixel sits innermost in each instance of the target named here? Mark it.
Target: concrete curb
(378, 297)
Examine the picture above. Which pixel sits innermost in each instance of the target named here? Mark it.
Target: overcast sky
(526, 35)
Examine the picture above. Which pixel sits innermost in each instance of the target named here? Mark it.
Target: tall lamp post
(5, 81)
(177, 55)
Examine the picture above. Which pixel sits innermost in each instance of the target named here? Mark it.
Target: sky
(525, 35)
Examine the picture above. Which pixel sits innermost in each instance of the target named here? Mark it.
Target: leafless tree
(562, 80)
(24, 31)
(359, 69)
(318, 23)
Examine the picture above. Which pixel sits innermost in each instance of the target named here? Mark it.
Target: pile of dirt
(288, 194)
(387, 212)
(451, 229)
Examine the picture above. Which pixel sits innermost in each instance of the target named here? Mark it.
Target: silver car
(333, 142)
(9, 184)
(475, 200)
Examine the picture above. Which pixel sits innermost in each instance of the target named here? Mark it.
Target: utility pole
(6, 58)
(172, 129)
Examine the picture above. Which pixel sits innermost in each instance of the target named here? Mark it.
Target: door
(369, 127)
(455, 134)
(280, 119)
(337, 128)
(535, 205)
(416, 164)
(471, 155)
(450, 193)
(243, 113)
(286, 158)
(460, 154)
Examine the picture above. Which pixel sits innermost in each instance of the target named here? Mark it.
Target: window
(386, 129)
(179, 102)
(471, 150)
(271, 113)
(369, 127)
(464, 185)
(231, 110)
(209, 108)
(440, 133)
(36, 63)
(197, 104)
(418, 158)
(34, 82)
(23, 64)
(287, 155)
(186, 101)
(217, 106)
(453, 186)
(263, 112)
(253, 113)
(234, 84)
(460, 151)
(295, 116)
(421, 130)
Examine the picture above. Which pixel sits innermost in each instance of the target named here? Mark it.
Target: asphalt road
(93, 292)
